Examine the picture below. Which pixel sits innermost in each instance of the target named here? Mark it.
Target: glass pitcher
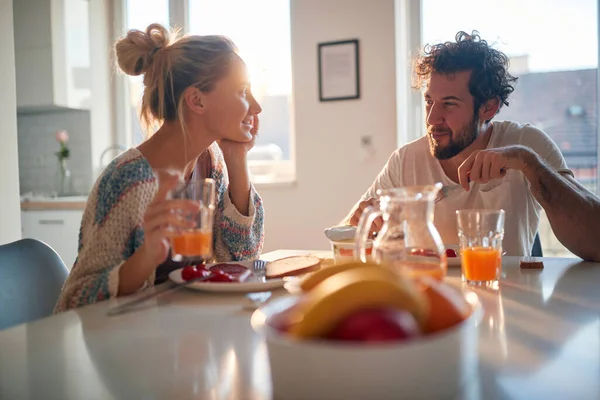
(408, 241)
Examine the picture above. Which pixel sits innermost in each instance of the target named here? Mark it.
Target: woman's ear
(195, 100)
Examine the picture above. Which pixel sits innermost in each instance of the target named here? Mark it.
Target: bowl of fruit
(358, 331)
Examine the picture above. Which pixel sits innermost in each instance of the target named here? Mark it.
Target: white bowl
(431, 367)
(345, 251)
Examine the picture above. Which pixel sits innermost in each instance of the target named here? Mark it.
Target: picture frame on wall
(339, 70)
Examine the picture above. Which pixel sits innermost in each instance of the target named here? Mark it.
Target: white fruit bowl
(432, 366)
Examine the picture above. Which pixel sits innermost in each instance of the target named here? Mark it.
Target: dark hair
(490, 78)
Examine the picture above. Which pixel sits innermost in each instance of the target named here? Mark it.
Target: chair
(536, 250)
(31, 278)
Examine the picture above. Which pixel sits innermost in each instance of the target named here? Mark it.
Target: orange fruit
(447, 306)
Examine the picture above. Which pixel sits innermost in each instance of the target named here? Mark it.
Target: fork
(260, 270)
(258, 298)
(445, 192)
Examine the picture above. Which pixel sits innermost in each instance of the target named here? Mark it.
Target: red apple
(450, 253)
(377, 325)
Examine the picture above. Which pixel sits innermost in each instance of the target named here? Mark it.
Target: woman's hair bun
(135, 52)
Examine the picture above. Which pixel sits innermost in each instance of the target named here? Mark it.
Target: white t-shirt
(413, 164)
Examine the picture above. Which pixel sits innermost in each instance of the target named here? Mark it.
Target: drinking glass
(195, 244)
(480, 233)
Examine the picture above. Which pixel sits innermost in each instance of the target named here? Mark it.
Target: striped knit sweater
(111, 228)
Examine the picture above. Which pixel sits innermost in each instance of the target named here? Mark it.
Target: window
(261, 31)
(139, 14)
(557, 89)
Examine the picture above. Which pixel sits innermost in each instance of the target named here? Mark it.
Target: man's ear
(489, 109)
(195, 100)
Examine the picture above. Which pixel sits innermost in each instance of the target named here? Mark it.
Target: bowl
(433, 366)
(345, 250)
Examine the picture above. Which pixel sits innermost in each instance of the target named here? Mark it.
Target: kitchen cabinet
(52, 54)
(57, 228)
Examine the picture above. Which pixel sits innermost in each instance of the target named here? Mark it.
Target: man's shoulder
(511, 132)
(416, 147)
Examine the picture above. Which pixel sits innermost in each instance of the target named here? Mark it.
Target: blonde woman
(197, 89)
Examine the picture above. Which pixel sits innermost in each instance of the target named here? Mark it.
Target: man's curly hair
(490, 78)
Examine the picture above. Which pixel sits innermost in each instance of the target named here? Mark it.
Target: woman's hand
(235, 156)
(235, 150)
(162, 216)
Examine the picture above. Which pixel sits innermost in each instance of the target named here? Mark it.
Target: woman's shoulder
(129, 168)
(216, 157)
(218, 168)
(128, 175)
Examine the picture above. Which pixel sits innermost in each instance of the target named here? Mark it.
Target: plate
(292, 285)
(252, 284)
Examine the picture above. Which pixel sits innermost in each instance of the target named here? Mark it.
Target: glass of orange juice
(195, 245)
(480, 233)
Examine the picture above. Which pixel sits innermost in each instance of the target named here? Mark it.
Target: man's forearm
(573, 212)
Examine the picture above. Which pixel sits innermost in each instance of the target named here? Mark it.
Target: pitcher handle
(363, 229)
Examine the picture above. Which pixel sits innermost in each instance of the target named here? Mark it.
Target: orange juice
(192, 243)
(481, 263)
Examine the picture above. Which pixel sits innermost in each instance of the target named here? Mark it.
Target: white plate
(252, 284)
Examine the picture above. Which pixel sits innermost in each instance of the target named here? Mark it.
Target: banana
(346, 292)
(312, 280)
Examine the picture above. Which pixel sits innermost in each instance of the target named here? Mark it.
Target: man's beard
(458, 141)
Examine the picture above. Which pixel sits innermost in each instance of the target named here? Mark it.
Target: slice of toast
(292, 266)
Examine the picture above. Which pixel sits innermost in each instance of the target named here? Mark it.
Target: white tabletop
(540, 338)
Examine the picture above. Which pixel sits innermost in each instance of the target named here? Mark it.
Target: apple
(377, 325)
(450, 253)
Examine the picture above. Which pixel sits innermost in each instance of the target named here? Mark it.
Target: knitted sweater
(111, 228)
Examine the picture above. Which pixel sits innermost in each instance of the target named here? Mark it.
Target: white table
(540, 338)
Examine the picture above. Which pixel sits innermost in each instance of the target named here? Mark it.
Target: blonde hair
(170, 64)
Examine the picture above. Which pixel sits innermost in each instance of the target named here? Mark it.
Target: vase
(64, 181)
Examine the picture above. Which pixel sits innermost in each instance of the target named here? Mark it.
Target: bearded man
(498, 164)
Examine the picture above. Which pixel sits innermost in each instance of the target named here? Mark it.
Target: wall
(10, 221)
(38, 164)
(332, 170)
(103, 132)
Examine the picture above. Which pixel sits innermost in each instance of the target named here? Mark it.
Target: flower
(62, 137)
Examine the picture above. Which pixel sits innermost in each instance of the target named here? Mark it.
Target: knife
(124, 308)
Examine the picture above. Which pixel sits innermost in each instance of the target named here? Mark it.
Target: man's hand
(358, 212)
(483, 166)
